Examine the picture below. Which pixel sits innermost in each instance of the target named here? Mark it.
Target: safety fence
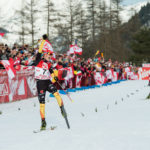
(23, 85)
(87, 87)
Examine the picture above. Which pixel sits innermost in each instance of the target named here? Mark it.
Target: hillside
(144, 15)
(9, 21)
(131, 28)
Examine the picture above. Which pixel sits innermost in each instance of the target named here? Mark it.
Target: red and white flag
(8, 64)
(74, 49)
(47, 47)
(78, 51)
(1, 35)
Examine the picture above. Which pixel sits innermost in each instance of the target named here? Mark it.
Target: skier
(45, 78)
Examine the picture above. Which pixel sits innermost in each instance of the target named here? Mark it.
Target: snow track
(116, 117)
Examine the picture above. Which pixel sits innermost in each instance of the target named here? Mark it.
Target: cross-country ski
(47, 129)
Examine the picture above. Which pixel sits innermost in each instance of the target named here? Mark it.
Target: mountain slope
(9, 18)
(144, 15)
(129, 11)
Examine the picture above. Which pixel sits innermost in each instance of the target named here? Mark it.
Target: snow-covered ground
(115, 117)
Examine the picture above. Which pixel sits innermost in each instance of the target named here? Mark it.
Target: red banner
(23, 86)
(4, 88)
(18, 88)
(144, 73)
(146, 65)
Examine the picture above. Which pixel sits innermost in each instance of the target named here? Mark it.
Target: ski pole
(66, 119)
(65, 92)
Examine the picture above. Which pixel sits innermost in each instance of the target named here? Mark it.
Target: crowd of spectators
(26, 56)
(22, 52)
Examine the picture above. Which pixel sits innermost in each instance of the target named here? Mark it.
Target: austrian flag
(74, 49)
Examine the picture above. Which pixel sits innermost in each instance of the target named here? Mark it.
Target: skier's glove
(41, 46)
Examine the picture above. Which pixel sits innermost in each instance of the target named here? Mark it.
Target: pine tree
(103, 27)
(31, 12)
(21, 23)
(115, 38)
(66, 27)
(51, 17)
(80, 24)
(140, 46)
(144, 15)
(91, 13)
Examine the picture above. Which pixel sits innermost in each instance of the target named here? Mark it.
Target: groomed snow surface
(116, 117)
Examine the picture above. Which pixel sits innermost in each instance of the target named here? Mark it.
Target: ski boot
(63, 111)
(43, 125)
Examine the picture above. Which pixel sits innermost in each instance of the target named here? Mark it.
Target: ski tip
(47, 129)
